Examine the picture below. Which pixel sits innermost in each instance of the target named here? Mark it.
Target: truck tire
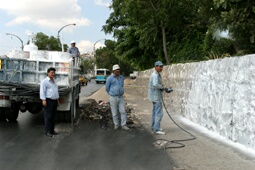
(2, 115)
(12, 113)
(34, 108)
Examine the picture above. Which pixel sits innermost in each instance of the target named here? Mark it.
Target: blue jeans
(157, 114)
(117, 104)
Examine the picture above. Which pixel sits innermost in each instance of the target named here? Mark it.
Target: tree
(87, 65)
(45, 42)
(146, 29)
(238, 17)
(106, 58)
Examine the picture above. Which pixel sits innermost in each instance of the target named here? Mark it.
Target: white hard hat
(72, 42)
(115, 67)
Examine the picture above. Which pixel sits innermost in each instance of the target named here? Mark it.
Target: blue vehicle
(101, 75)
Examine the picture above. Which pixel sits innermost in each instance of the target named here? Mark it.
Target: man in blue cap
(155, 96)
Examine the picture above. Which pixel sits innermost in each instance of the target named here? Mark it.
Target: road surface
(25, 147)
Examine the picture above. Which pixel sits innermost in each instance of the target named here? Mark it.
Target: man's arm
(107, 84)
(156, 83)
(77, 51)
(42, 93)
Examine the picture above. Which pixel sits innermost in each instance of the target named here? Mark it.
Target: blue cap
(158, 63)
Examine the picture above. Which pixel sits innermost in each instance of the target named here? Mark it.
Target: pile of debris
(101, 112)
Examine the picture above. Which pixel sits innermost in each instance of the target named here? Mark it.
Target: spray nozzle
(168, 90)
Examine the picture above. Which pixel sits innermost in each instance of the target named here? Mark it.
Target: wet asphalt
(24, 146)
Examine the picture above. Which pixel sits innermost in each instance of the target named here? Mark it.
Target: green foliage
(106, 58)
(145, 28)
(87, 66)
(217, 47)
(238, 16)
(51, 43)
(180, 30)
(187, 49)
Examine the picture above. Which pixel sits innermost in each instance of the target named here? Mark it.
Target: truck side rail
(23, 76)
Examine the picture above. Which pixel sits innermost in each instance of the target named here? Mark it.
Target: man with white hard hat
(73, 50)
(115, 88)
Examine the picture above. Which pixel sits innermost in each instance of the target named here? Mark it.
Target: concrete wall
(216, 94)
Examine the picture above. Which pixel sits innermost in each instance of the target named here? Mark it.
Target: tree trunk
(164, 43)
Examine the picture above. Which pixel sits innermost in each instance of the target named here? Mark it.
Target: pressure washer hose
(179, 140)
(171, 141)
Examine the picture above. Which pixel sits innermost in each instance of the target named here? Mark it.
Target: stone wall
(216, 94)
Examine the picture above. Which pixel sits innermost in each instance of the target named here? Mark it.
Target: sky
(19, 17)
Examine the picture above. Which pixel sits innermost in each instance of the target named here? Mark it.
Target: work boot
(116, 127)
(104, 127)
(49, 134)
(160, 133)
(125, 128)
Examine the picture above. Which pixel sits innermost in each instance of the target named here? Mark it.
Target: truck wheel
(2, 115)
(34, 108)
(13, 112)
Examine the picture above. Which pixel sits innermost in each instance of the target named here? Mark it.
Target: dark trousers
(49, 115)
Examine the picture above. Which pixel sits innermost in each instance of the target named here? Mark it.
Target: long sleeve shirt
(48, 89)
(74, 51)
(155, 87)
(115, 86)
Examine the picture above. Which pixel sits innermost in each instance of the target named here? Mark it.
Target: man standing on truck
(50, 101)
(74, 51)
(115, 88)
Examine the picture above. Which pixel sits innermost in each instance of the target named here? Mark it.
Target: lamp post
(95, 66)
(62, 37)
(64, 27)
(95, 46)
(18, 38)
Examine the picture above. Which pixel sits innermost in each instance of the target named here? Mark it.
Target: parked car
(133, 75)
(88, 77)
(83, 80)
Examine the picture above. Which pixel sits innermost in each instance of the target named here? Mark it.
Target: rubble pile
(101, 112)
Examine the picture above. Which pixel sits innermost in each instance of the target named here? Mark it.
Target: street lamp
(95, 66)
(62, 37)
(64, 27)
(18, 38)
(95, 46)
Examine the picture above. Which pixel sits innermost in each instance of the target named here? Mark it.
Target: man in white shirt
(50, 101)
